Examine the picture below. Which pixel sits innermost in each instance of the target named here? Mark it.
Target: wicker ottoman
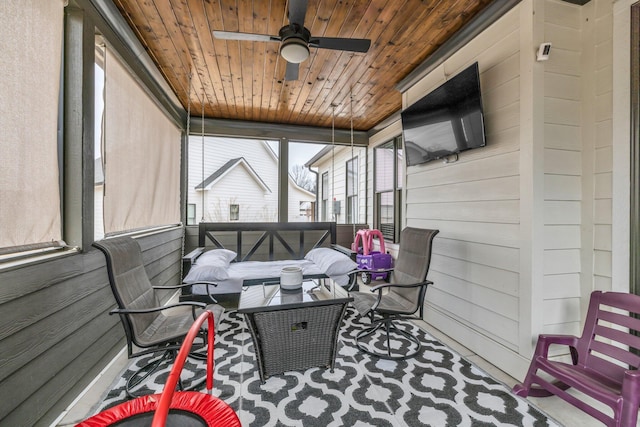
(294, 331)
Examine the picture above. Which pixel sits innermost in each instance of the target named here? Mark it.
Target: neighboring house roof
(320, 154)
(226, 168)
(302, 190)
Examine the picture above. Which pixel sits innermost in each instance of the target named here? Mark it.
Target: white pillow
(206, 273)
(211, 266)
(331, 262)
(216, 257)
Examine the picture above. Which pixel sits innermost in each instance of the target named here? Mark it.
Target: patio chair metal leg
(389, 328)
(143, 373)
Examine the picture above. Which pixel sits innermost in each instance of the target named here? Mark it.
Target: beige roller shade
(141, 156)
(30, 49)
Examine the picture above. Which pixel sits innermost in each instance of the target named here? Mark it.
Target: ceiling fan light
(294, 50)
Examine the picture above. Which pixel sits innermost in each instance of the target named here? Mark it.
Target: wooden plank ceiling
(244, 80)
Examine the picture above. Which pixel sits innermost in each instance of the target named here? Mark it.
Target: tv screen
(446, 121)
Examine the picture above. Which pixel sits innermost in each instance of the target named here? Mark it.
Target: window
(325, 196)
(191, 214)
(234, 212)
(226, 171)
(388, 172)
(30, 214)
(352, 191)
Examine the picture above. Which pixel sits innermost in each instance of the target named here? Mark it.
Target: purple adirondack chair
(605, 361)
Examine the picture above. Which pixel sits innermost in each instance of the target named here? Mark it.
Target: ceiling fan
(295, 39)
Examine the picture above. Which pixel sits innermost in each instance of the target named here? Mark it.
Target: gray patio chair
(149, 326)
(401, 299)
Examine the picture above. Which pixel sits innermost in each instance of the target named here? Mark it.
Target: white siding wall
(562, 168)
(297, 195)
(474, 202)
(526, 222)
(338, 181)
(600, 128)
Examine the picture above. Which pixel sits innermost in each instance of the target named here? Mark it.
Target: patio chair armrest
(201, 282)
(189, 259)
(391, 285)
(545, 341)
(193, 304)
(181, 285)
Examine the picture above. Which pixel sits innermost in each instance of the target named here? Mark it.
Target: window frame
(234, 214)
(395, 189)
(325, 196)
(351, 196)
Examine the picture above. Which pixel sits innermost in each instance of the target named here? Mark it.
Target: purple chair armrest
(545, 341)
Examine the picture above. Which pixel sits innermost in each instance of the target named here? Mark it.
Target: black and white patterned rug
(436, 388)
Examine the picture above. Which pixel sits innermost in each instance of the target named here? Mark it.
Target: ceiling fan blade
(229, 35)
(292, 72)
(337, 43)
(297, 11)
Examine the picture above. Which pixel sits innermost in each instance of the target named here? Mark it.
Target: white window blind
(141, 156)
(31, 48)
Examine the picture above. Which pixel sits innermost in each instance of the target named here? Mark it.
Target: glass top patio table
(269, 296)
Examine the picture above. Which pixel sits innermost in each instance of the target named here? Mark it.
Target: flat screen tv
(446, 121)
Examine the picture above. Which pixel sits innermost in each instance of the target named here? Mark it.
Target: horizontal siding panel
(562, 111)
(493, 256)
(602, 211)
(21, 349)
(563, 310)
(571, 328)
(564, 61)
(563, 37)
(561, 286)
(505, 211)
(604, 133)
(563, 137)
(562, 237)
(562, 86)
(499, 74)
(502, 281)
(562, 187)
(602, 237)
(602, 263)
(603, 186)
(489, 189)
(604, 54)
(602, 283)
(604, 160)
(501, 96)
(491, 234)
(481, 319)
(498, 166)
(502, 119)
(604, 80)
(500, 39)
(604, 106)
(503, 304)
(561, 13)
(19, 314)
(562, 162)
(562, 212)
(562, 261)
(31, 278)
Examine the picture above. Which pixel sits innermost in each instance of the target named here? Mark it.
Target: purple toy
(369, 260)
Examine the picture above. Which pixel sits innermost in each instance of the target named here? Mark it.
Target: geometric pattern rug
(438, 387)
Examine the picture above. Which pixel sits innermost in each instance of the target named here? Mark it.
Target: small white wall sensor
(543, 51)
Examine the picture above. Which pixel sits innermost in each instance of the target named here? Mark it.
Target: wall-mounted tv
(446, 121)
